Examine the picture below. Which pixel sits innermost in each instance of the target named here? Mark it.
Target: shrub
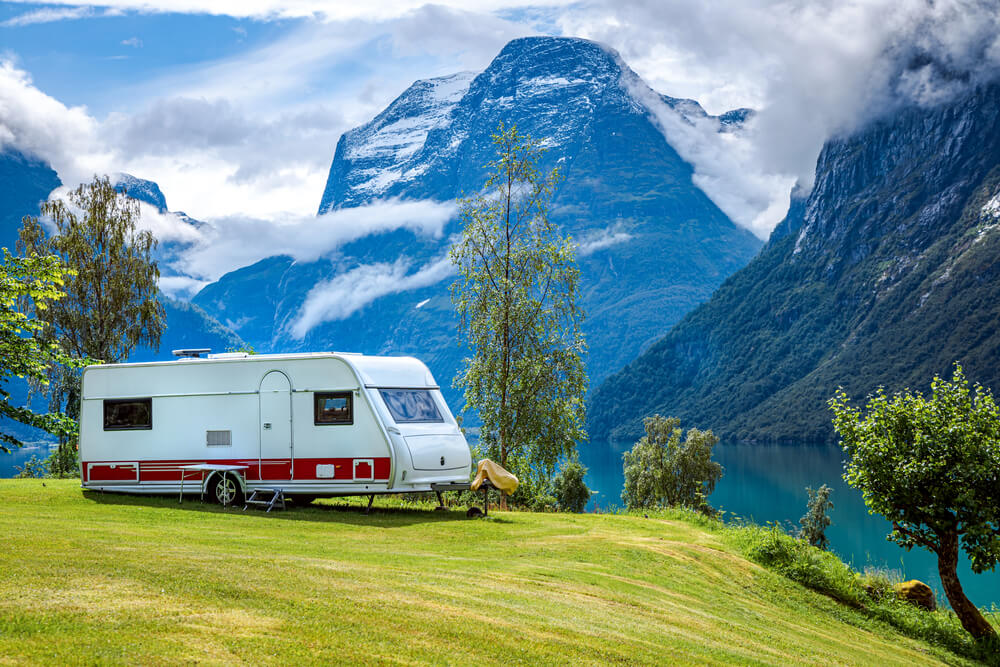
(568, 487)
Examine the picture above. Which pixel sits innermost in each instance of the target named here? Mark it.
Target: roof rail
(192, 353)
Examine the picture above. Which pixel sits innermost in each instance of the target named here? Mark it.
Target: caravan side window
(128, 414)
(333, 407)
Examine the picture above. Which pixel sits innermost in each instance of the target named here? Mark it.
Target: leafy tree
(815, 522)
(110, 304)
(516, 296)
(662, 470)
(27, 286)
(569, 488)
(932, 467)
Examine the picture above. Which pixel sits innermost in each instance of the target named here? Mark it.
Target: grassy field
(92, 578)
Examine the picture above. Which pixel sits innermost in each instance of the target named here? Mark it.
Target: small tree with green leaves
(568, 487)
(665, 470)
(931, 466)
(110, 304)
(815, 521)
(27, 286)
(516, 296)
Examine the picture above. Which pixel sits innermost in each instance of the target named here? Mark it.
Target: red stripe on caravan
(272, 469)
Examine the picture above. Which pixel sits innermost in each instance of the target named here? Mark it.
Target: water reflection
(767, 483)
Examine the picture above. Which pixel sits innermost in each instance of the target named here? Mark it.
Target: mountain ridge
(883, 275)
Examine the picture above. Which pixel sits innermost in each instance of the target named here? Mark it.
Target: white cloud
(600, 239)
(349, 292)
(814, 69)
(233, 242)
(35, 123)
(134, 42)
(48, 15)
(181, 287)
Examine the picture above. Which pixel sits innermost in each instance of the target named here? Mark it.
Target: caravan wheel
(226, 490)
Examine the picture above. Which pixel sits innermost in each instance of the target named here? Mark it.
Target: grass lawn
(92, 578)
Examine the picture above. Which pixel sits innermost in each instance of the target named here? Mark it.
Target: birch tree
(516, 296)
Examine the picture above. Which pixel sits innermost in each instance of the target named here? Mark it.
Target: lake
(9, 463)
(767, 483)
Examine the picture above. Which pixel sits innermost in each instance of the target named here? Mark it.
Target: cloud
(181, 287)
(134, 42)
(342, 296)
(600, 239)
(230, 243)
(35, 123)
(814, 69)
(48, 15)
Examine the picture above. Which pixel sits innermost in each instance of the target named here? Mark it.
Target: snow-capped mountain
(651, 244)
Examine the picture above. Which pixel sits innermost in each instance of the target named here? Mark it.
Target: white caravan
(319, 424)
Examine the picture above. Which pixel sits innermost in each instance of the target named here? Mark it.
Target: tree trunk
(972, 620)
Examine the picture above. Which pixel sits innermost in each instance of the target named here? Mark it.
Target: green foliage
(33, 468)
(931, 466)
(246, 347)
(815, 521)
(27, 286)
(662, 470)
(516, 296)
(110, 305)
(871, 592)
(568, 487)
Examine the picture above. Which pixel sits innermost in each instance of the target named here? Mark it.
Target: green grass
(92, 578)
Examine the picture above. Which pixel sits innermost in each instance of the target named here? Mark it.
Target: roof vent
(194, 353)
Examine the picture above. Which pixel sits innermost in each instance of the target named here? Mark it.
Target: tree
(110, 304)
(931, 466)
(815, 521)
(662, 470)
(516, 297)
(570, 490)
(27, 286)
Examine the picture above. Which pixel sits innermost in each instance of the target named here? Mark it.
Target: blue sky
(235, 106)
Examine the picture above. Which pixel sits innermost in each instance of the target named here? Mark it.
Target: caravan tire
(225, 489)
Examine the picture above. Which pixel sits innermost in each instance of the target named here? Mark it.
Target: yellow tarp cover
(499, 477)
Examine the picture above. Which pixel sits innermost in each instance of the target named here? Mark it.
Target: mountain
(885, 274)
(25, 182)
(651, 244)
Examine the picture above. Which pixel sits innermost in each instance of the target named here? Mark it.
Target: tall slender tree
(110, 304)
(516, 296)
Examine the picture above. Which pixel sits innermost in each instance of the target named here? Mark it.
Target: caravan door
(275, 427)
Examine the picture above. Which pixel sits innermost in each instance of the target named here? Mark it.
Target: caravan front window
(411, 405)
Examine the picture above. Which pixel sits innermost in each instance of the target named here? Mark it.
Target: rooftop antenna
(193, 353)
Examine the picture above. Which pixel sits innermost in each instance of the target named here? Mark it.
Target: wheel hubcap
(225, 490)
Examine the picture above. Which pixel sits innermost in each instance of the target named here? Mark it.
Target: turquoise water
(767, 483)
(9, 463)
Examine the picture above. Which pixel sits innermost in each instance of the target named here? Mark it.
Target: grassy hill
(104, 579)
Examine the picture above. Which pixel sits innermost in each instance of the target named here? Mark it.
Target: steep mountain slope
(651, 244)
(887, 273)
(24, 183)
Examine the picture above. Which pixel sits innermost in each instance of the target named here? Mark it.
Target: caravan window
(411, 405)
(333, 408)
(128, 414)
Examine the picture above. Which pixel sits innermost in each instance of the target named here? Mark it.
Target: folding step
(258, 497)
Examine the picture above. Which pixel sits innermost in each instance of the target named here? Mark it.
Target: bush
(571, 494)
(662, 470)
(815, 521)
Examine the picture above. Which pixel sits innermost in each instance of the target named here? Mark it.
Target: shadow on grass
(328, 510)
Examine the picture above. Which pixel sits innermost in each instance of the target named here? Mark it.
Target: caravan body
(320, 424)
